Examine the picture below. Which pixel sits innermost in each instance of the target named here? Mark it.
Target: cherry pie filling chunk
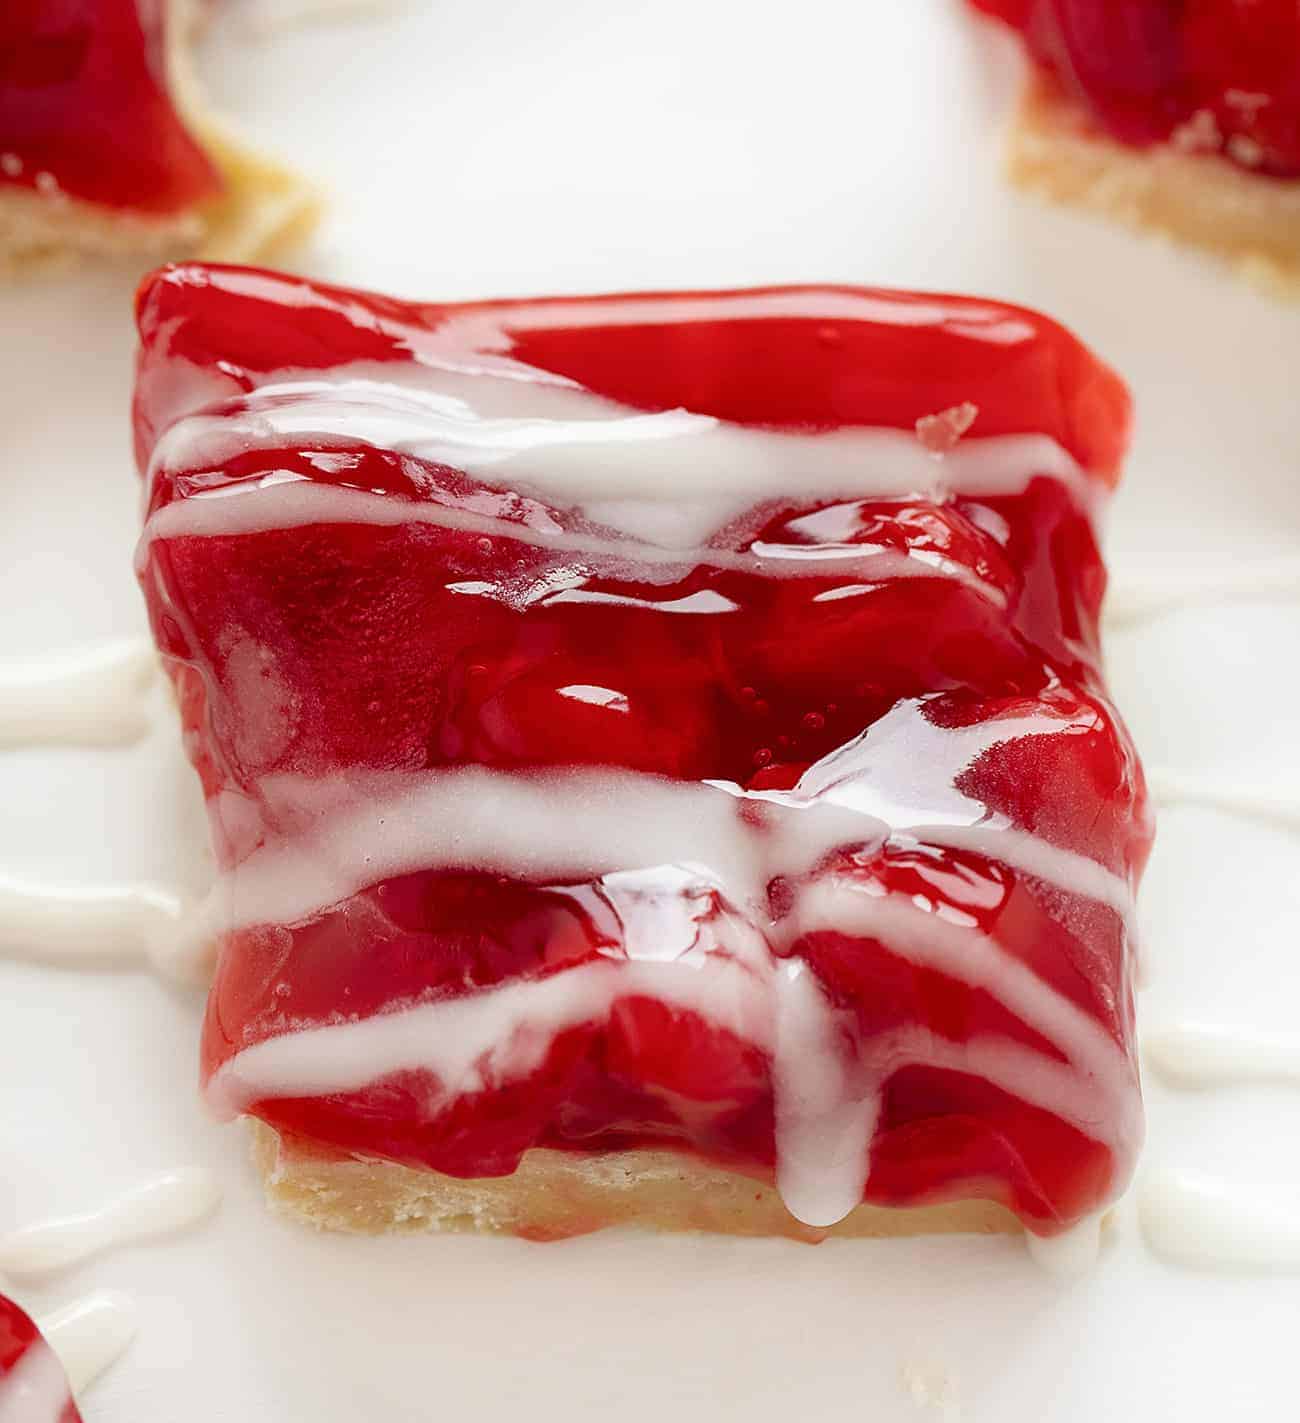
(620, 728)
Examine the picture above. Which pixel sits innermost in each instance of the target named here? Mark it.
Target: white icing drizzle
(96, 697)
(1200, 1221)
(264, 18)
(1096, 1091)
(1070, 1255)
(293, 502)
(1134, 596)
(1200, 1055)
(35, 1389)
(337, 837)
(826, 1112)
(90, 1334)
(323, 840)
(167, 1203)
(671, 478)
(492, 1036)
(104, 926)
(903, 770)
(1275, 804)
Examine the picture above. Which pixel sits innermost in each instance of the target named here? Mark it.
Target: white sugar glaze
(102, 926)
(96, 697)
(292, 502)
(166, 1203)
(1073, 1253)
(341, 836)
(1099, 1098)
(826, 1107)
(90, 1334)
(322, 840)
(1275, 804)
(35, 1389)
(264, 18)
(644, 474)
(1133, 595)
(1200, 1221)
(1199, 1055)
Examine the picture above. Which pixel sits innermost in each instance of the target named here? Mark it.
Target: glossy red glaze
(1148, 69)
(414, 646)
(85, 109)
(18, 1337)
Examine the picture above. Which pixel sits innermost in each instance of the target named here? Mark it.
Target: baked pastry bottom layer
(36, 230)
(555, 1194)
(1251, 221)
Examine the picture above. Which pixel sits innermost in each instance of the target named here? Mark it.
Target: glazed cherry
(1217, 76)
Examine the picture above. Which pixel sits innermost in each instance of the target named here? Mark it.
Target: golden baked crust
(555, 1194)
(263, 206)
(1251, 221)
(36, 230)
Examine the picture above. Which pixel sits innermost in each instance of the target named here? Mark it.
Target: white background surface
(497, 148)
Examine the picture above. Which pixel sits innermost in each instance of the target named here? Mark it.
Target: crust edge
(556, 1194)
(1203, 201)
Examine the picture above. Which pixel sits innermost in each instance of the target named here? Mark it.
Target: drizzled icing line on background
(93, 697)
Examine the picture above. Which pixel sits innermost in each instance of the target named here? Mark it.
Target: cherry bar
(620, 727)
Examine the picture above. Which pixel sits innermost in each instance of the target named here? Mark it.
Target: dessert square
(656, 749)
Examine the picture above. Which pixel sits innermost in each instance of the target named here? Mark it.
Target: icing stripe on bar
(292, 502)
(94, 697)
(334, 838)
(927, 940)
(329, 839)
(673, 477)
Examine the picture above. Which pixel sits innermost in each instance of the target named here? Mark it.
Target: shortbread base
(37, 230)
(555, 1194)
(1251, 221)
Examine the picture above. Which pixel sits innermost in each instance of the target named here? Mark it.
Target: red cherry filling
(29, 1372)
(815, 358)
(810, 632)
(1219, 76)
(85, 110)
